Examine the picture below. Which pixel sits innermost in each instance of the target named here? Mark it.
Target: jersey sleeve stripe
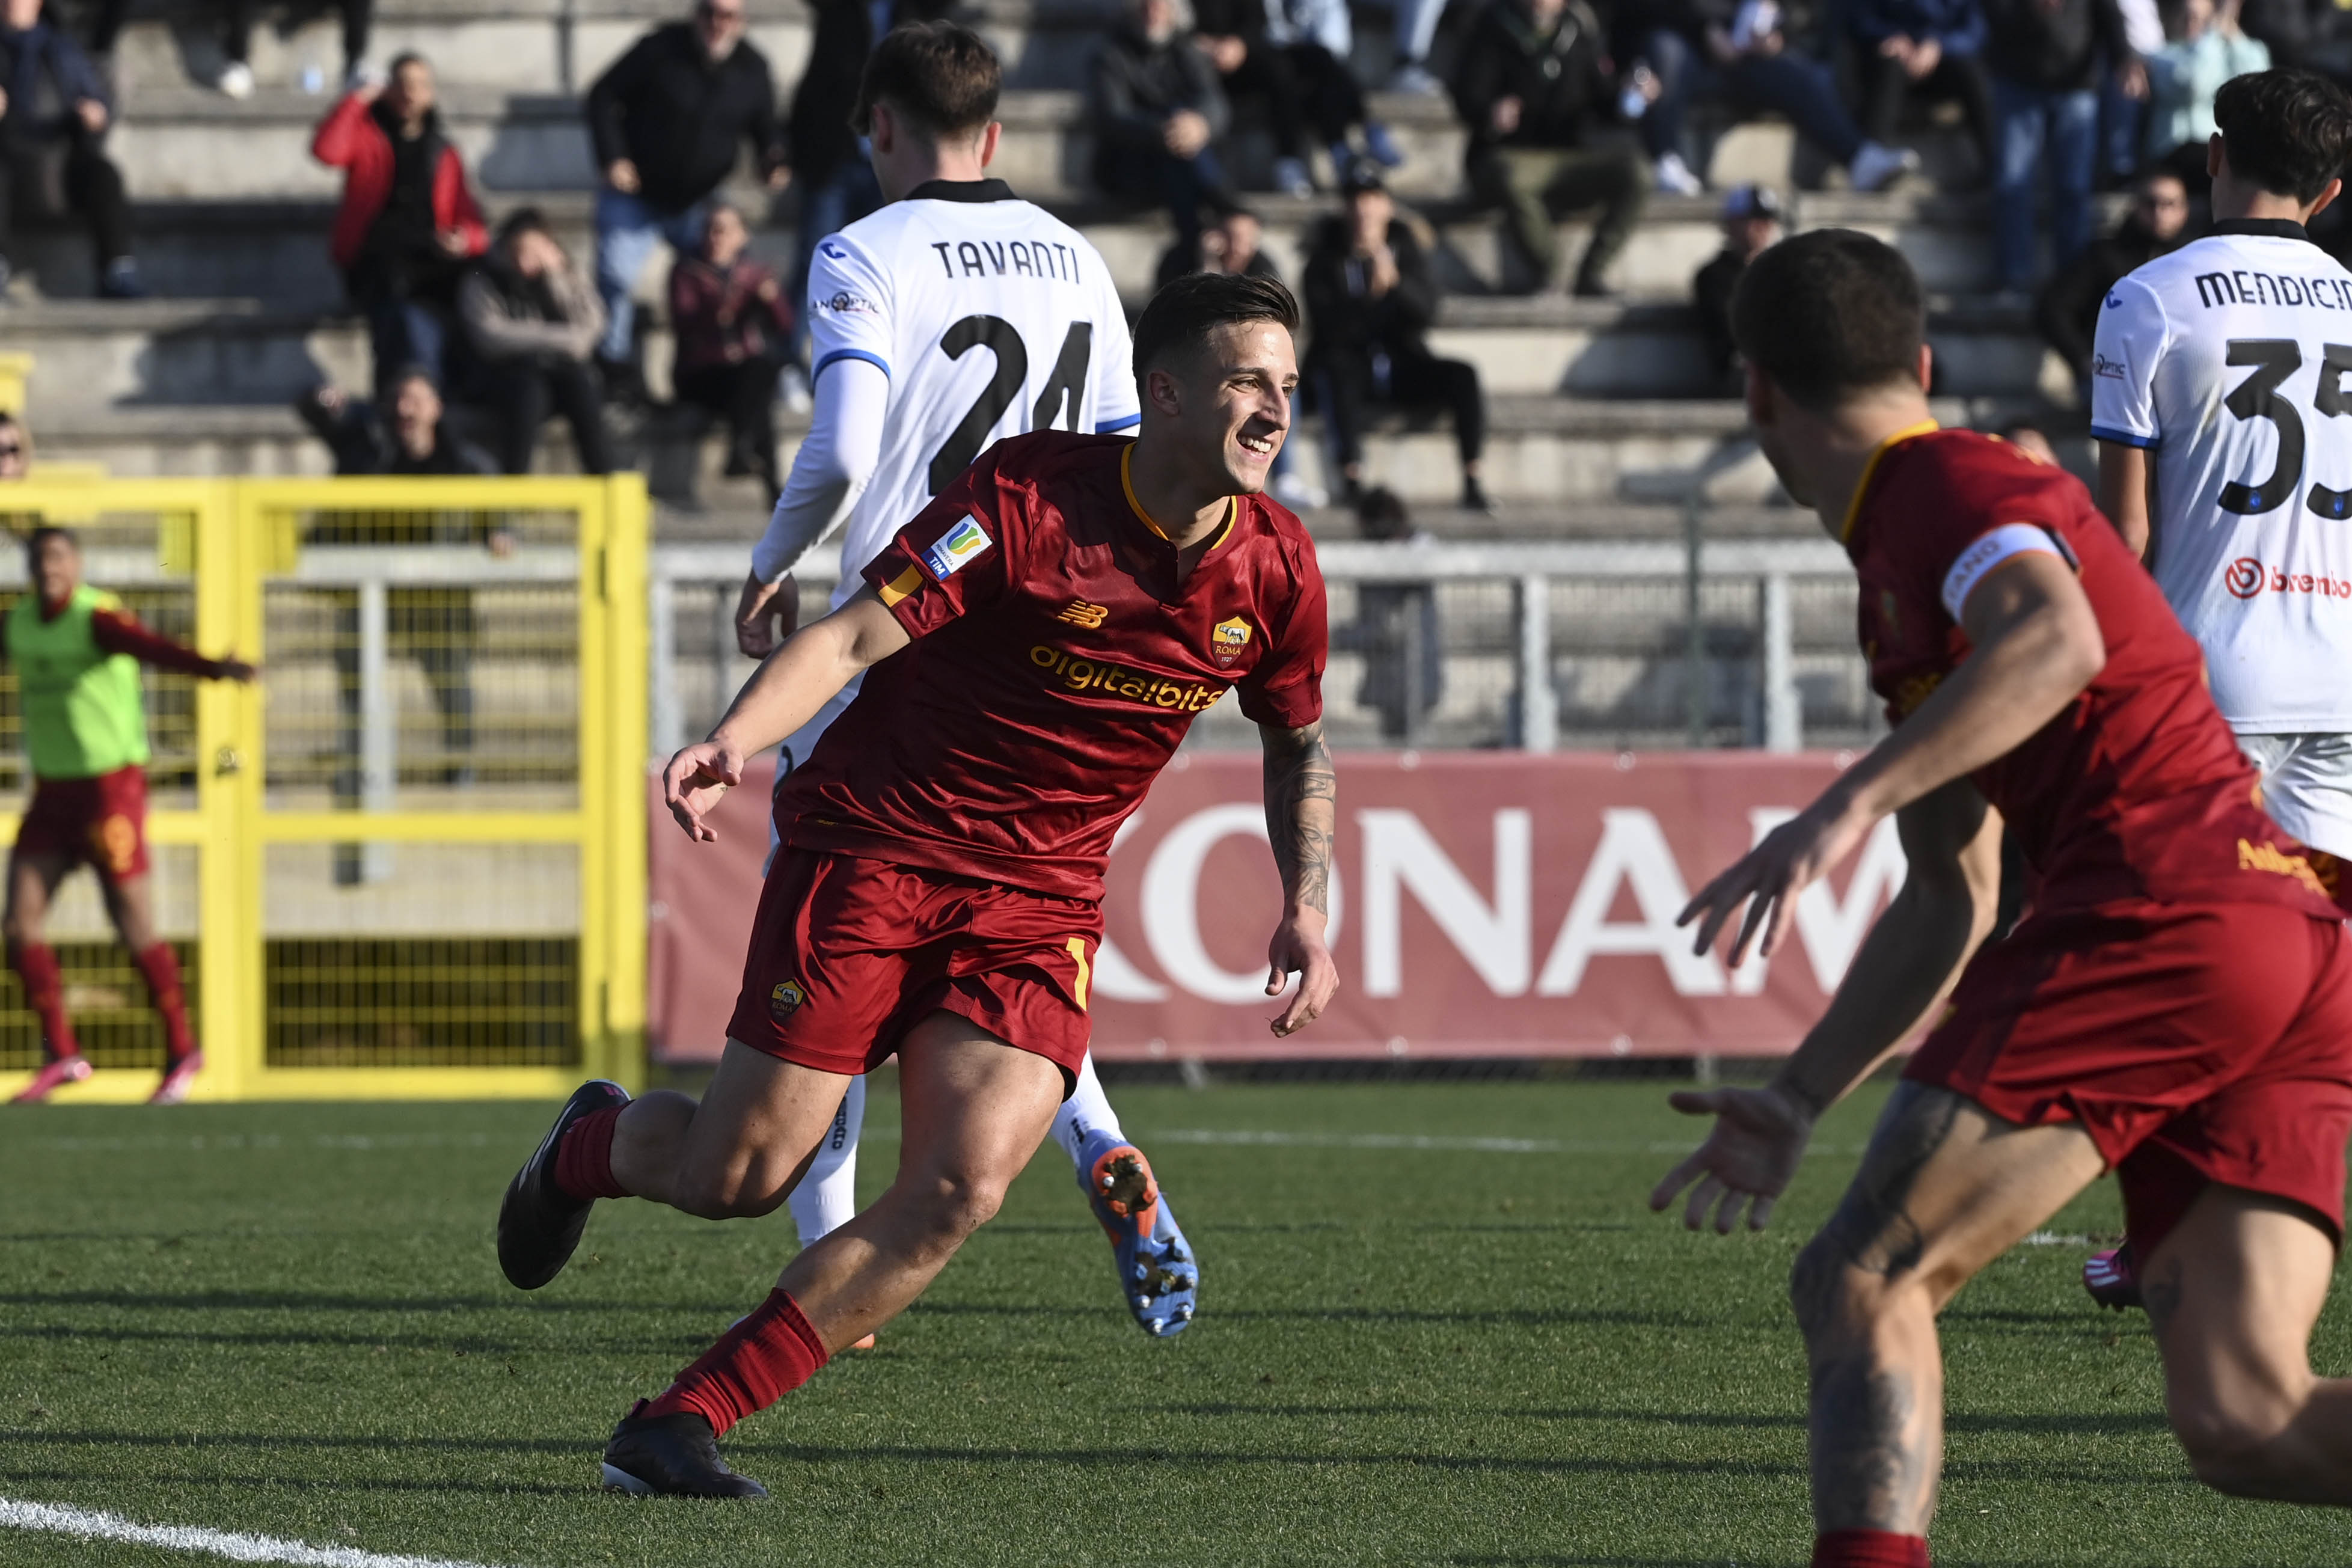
(876, 361)
(1126, 421)
(2121, 437)
(900, 587)
(1993, 550)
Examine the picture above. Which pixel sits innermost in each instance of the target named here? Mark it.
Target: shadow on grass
(2084, 1424)
(278, 1483)
(449, 1344)
(326, 1301)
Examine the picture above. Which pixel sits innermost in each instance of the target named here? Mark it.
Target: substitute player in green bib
(77, 655)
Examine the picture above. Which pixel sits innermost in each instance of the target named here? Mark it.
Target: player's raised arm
(1906, 965)
(1302, 817)
(2036, 646)
(783, 694)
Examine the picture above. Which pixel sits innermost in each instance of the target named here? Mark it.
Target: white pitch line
(89, 1525)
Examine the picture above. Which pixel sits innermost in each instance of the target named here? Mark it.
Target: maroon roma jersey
(1057, 663)
(2138, 789)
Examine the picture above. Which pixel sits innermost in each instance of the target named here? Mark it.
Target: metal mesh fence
(448, 956)
(424, 661)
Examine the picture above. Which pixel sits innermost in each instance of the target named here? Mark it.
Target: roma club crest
(786, 999)
(1228, 640)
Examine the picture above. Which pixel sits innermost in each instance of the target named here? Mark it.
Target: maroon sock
(36, 964)
(754, 1363)
(1869, 1549)
(162, 972)
(584, 1161)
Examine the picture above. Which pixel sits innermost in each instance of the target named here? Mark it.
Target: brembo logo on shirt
(2247, 578)
(1075, 675)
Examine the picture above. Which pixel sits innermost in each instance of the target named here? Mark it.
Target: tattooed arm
(1906, 966)
(1302, 813)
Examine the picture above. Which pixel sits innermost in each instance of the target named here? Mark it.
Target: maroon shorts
(101, 820)
(847, 954)
(2194, 1043)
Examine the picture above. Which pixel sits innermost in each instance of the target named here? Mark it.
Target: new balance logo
(1078, 613)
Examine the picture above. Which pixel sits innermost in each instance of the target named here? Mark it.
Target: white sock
(828, 1194)
(1087, 1112)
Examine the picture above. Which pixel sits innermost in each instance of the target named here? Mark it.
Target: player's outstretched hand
(765, 615)
(694, 782)
(235, 669)
(1746, 1161)
(1298, 947)
(1767, 878)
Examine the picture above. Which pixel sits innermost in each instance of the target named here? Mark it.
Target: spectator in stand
(1232, 244)
(2314, 34)
(412, 442)
(2068, 311)
(236, 76)
(1735, 50)
(1931, 50)
(16, 448)
(1416, 34)
(408, 225)
(830, 169)
(2123, 120)
(54, 111)
(1291, 67)
(734, 332)
(1397, 630)
(531, 325)
(666, 121)
(1533, 84)
(1157, 111)
(1371, 297)
(2183, 79)
(1751, 226)
(2046, 57)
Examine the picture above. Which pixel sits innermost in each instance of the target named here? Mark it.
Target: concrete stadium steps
(183, 141)
(92, 354)
(1546, 456)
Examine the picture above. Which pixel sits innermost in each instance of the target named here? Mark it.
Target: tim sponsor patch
(958, 545)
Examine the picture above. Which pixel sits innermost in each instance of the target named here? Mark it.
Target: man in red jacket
(408, 224)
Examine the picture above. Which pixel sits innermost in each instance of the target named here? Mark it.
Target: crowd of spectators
(1566, 108)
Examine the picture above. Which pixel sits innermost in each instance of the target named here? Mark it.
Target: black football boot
(538, 1223)
(671, 1456)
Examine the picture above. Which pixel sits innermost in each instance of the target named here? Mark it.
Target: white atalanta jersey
(2229, 358)
(990, 316)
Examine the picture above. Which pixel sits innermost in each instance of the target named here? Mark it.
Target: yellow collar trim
(1870, 470)
(1127, 483)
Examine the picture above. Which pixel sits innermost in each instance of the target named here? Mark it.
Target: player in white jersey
(2220, 403)
(951, 318)
(2219, 399)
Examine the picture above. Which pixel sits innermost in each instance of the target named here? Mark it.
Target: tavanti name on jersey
(2234, 288)
(1008, 259)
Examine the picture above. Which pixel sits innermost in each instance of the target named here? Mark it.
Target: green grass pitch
(288, 1320)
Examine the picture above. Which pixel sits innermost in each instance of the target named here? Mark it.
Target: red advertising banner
(1485, 904)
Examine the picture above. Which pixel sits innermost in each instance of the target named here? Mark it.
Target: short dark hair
(403, 60)
(1830, 314)
(43, 534)
(2285, 132)
(1181, 317)
(940, 75)
(522, 221)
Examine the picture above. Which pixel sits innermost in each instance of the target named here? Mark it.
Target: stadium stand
(1605, 421)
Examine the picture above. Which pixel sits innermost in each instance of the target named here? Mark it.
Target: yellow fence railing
(410, 861)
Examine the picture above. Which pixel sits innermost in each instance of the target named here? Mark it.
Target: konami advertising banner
(1485, 904)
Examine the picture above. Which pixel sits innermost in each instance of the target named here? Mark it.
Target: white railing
(1531, 566)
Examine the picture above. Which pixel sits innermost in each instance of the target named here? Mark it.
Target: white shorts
(2306, 787)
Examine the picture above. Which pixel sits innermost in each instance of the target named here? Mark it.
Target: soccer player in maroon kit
(2176, 1004)
(1036, 643)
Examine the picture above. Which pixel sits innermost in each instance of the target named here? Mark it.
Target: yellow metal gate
(411, 861)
